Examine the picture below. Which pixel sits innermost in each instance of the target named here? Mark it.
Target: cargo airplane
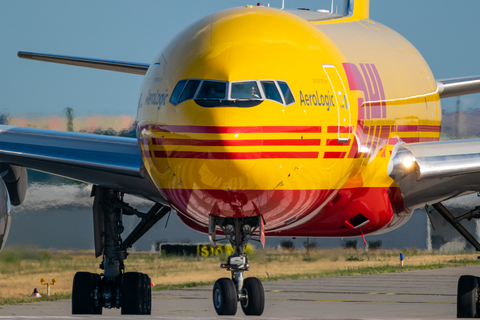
(257, 122)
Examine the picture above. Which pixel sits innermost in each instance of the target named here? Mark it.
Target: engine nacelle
(16, 181)
(4, 213)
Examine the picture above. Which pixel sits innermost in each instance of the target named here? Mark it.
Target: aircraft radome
(333, 132)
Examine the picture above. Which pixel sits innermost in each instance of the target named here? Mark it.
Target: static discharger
(42, 281)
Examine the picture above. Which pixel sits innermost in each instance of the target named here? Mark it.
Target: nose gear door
(341, 99)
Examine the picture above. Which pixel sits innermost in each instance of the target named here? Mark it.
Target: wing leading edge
(106, 161)
(111, 65)
(458, 86)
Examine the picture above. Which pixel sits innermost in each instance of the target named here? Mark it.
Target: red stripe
(410, 140)
(334, 142)
(426, 139)
(418, 128)
(147, 153)
(235, 155)
(334, 155)
(235, 143)
(219, 130)
(425, 128)
(343, 129)
(393, 141)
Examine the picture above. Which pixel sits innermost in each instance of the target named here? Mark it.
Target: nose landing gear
(227, 292)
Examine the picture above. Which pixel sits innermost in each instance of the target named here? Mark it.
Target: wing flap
(432, 172)
(458, 86)
(112, 162)
(111, 65)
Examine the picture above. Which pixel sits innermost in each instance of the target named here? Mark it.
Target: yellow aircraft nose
(230, 150)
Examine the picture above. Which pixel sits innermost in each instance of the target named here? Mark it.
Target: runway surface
(427, 294)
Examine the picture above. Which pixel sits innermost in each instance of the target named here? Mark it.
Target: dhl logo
(369, 82)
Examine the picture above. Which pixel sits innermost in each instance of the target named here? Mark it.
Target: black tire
(225, 297)
(97, 285)
(83, 293)
(255, 302)
(148, 296)
(133, 293)
(467, 301)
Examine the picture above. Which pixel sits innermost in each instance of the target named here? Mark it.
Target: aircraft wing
(431, 172)
(111, 162)
(458, 86)
(111, 65)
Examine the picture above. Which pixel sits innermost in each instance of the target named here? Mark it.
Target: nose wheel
(228, 292)
(254, 301)
(225, 297)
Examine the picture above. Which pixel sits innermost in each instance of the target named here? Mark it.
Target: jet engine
(16, 181)
(4, 213)
(13, 188)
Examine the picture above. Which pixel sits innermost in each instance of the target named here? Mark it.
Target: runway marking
(337, 292)
(315, 300)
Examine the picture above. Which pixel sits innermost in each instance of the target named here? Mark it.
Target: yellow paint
(264, 43)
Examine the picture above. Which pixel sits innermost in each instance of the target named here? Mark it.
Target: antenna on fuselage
(331, 8)
(283, 4)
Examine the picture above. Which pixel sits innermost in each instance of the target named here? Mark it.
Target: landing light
(408, 162)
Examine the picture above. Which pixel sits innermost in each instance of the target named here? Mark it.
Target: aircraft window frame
(228, 91)
(185, 81)
(281, 92)
(225, 97)
(185, 87)
(278, 90)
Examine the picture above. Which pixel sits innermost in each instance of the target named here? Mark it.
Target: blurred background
(57, 212)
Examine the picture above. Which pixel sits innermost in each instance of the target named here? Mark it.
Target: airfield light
(42, 281)
(408, 162)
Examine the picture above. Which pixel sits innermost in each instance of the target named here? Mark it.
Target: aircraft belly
(325, 213)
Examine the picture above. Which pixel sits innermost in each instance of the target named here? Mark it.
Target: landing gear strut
(227, 292)
(468, 291)
(129, 291)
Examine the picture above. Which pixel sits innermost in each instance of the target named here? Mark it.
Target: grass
(21, 268)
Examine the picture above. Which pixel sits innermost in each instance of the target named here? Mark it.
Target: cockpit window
(189, 91)
(212, 90)
(271, 91)
(287, 93)
(241, 94)
(245, 90)
(176, 92)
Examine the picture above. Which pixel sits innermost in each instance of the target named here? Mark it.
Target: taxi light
(408, 162)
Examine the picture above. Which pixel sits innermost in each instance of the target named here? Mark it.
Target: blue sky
(446, 33)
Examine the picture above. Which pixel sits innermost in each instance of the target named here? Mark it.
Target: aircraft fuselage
(238, 146)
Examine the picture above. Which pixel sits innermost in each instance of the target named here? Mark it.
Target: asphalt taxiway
(425, 294)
